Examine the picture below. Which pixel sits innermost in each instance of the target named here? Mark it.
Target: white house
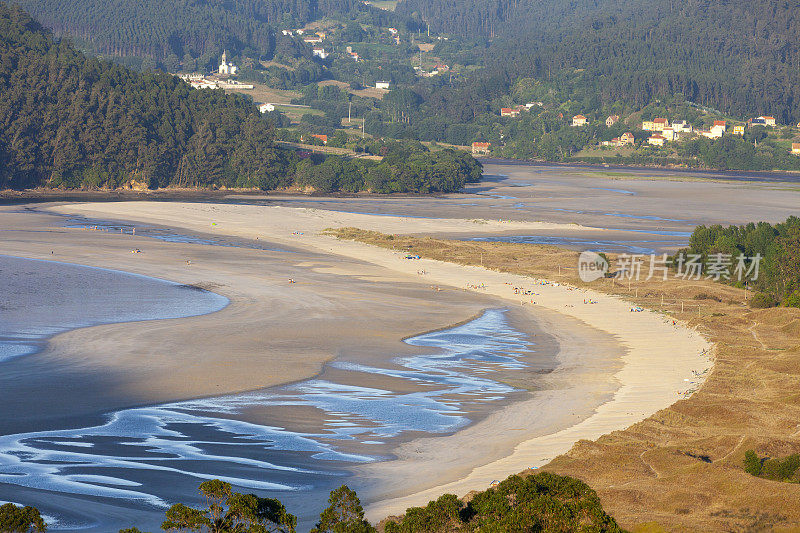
(656, 140)
(225, 67)
(321, 53)
(382, 85)
(579, 120)
(681, 126)
(266, 108)
(668, 134)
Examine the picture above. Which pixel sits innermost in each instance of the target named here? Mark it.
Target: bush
(793, 300)
(762, 301)
(752, 464)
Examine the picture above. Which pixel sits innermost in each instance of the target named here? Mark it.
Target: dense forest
(777, 273)
(540, 502)
(740, 57)
(174, 29)
(68, 120)
(71, 121)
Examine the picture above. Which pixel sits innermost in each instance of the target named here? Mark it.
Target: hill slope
(160, 28)
(68, 120)
(741, 57)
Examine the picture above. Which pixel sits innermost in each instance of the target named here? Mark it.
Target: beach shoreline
(649, 378)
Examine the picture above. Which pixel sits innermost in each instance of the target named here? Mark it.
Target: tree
(230, 512)
(344, 514)
(18, 519)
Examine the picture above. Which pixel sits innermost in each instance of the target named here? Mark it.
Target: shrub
(762, 301)
(793, 300)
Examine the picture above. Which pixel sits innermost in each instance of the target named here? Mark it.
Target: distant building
(681, 126)
(611, 120)
(668, 134)
(657, 124)
(480, 148)
(382, 85)
(321, 53)
(796, 148)
(713, 133)
(738, 129)
(313, 39)
(719, 127)
(656, 140)
(509, 112)
(769, 121)
(225, 67)
(266, 108)
(323, 138)
(626, 138)
(758, 121)
(579, 120)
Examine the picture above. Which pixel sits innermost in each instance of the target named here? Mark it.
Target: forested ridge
(71, 121)
(163, 28)
(740, 57)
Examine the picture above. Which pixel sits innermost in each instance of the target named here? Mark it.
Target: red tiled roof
(660, 121)
(719, 122)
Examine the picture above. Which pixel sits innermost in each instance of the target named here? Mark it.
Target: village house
(312, 39)
(509, 112)
(738, 129)
(626, 138)
(321, 53)
(323, 138)
(623, 140)
(720, 127)
(266, 108)
(713, 133)
(225, 67)
(480, 148)
(769, 121)
(382, 85)
(579, 120)
(796, 148)
(681, 126)
(657, 124)
(611, 120)
(656, 139)
(669, 134)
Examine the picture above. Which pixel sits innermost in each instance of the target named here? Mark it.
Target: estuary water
(294, 442)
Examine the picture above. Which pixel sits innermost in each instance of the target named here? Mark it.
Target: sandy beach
(655, 357)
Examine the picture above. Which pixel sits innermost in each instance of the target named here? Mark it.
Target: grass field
(388, 5)
(262, 93)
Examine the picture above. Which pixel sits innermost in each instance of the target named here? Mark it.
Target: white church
(225, 67)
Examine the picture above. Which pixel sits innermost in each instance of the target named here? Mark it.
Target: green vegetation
(787, 469)
(541, 502)
(230, 511)
(740, 57)
(344, 514)
(406, 167)
(17, 519)
(70, 121)
(777, 245)
(178, 30)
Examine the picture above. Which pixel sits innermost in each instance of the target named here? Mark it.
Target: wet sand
(649, 374)
(272, 332)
